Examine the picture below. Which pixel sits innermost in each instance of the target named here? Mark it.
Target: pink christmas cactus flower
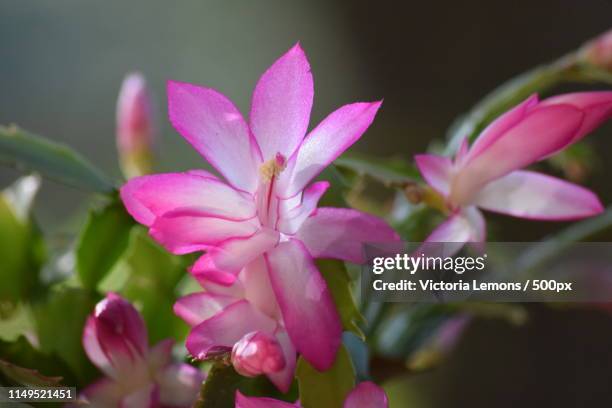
(115, 340)
(488, 174)
(365, 395)
(244, 319)
(266, 209)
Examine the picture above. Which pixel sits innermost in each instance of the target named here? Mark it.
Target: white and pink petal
(597, 108)
(220, 332)
(528, 194)
(308, 310)
(284, 378)
(215, 128)
(197, 307)
(341, 233)
(325, 143)
(541, 132)
(149, 197)
(185, 231)
(291, 219)
(179, 385)
(282, 100)
(222, 263)
(436, 170)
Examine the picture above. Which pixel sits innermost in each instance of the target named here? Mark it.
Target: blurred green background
(62, 61)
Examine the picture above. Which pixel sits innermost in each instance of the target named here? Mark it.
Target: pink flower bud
(135, 128)
(257, 353)
(598, 51)
(115, 340)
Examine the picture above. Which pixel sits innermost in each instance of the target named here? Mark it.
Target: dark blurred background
(62, 61)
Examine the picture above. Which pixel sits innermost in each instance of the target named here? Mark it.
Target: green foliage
(22, 249)
(339, 283)
(102, 242)
(334, 196)
(60, 319)
(326, 389)
(148, 276)
(541, 252)
(26, 151)
(27, 365)
(418, 223)
(386, 171)
(19, 322)
(404, 332)
(219, 389)
(360, 355)
(222, 382)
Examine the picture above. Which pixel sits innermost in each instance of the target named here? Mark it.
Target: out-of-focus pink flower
(488, 174)
(257, 353)
(440, 344)
(135, 127)
(266, 210)
(365, 395)
(598, 51)
(115, 340)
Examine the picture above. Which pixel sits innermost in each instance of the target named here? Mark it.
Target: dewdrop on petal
(135, 127)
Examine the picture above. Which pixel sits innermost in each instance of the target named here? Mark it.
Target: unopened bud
(135, 127)
(257, 353)
(598, 51)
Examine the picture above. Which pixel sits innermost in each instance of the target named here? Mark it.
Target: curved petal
(258, 289)
(261, 402)
(597, 107)
(226, 328)
(235, 290)
(341, 233)
(120, 317)
(462, 152)
(501, 125)
(284, 378)
(325, 143)
(185, 231)
(145, 397)
(227, 259)
(103, 393)
(309, 313)
(149, 197)
(543, 131)
(93, 350)
(282, 100)
(120, 334)
(436, 170)
(367, 395)
(291, 219)
(197, 307)
(466, 225)
(215, 128)
(160, 355)
(179, 385)
(202, 173)
(527, 194)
